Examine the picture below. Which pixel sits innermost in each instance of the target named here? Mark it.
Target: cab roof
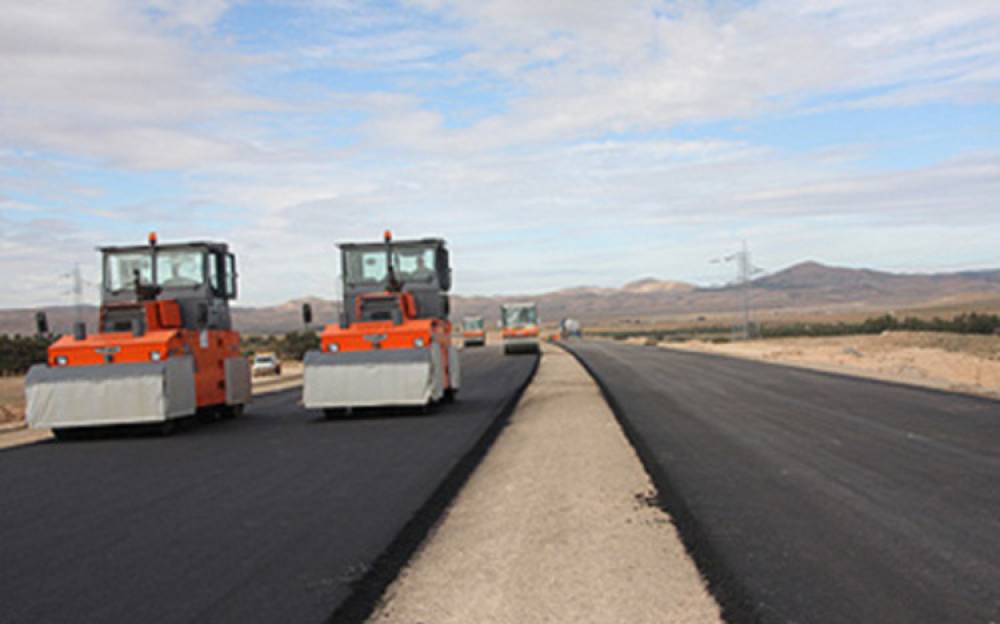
(393, 242)
(211, 245)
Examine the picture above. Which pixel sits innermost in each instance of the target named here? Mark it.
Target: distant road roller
(393, 345)
(164, 347)
(473, 331)
(519, 327)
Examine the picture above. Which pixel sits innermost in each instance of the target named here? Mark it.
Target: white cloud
(111, 81)
(567, 175)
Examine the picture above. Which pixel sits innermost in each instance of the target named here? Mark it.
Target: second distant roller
(393, 345)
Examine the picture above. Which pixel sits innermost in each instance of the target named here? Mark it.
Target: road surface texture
(811, 497)
(554, 526)
(279, 516)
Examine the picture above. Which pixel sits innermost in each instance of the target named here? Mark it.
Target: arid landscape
(805, 291)
(499, 311)
(808, 292)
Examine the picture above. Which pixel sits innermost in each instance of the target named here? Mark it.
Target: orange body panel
(473, 333)
(209, 348)
(382, 335)
(520, 332)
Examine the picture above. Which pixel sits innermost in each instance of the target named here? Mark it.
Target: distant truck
(519, 327)
(570, 328)
(473, 331)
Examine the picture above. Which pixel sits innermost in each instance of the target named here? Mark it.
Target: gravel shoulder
(558, 524)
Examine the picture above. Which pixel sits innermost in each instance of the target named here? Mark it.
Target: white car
(266, 365)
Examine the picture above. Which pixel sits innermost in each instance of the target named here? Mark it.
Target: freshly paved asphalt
(809, 497)
(274, 517)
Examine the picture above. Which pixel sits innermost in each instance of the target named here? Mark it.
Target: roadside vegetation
(291, 346)
(970, 323)
(18, 353)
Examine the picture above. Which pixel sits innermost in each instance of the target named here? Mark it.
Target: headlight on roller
(418, 342)
(61, 360)
(332, 347)
(154, 356)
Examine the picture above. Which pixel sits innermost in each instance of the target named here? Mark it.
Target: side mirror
(307, 314)
(41, 323)
(202, 314)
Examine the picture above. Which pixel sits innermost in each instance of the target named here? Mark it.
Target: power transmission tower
(77, 291)
(745, 271)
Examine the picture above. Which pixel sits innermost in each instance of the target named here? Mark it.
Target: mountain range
(808, 285)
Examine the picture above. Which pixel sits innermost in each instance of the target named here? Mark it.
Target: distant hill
(805, 285)
(652, 285)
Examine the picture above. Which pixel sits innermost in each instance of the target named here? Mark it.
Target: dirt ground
(946, 361)
(11, 399)
(556, 525)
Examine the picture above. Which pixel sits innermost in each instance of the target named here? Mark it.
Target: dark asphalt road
(808, 497)
(269, 518)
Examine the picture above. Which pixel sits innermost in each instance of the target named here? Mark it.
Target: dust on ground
(960, 363)
(558, 524)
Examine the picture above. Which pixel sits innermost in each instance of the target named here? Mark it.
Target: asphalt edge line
(370, 588)
(735, 601)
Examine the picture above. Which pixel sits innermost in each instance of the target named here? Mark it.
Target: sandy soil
(556, 525)
(946, 361)
(11, 399)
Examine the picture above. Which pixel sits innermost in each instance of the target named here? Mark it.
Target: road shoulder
(557, 524)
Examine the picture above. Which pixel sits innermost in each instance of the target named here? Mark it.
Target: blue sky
(553, 144)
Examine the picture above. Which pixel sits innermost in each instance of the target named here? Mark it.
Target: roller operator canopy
(519, 314)
(423, 261)
(172, 267)
(473, 323)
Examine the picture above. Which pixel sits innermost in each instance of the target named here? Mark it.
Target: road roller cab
(473, 331)
(164, 346)
(393, 343)
(519, 327)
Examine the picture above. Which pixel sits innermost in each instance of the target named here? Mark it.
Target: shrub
(18, 353)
